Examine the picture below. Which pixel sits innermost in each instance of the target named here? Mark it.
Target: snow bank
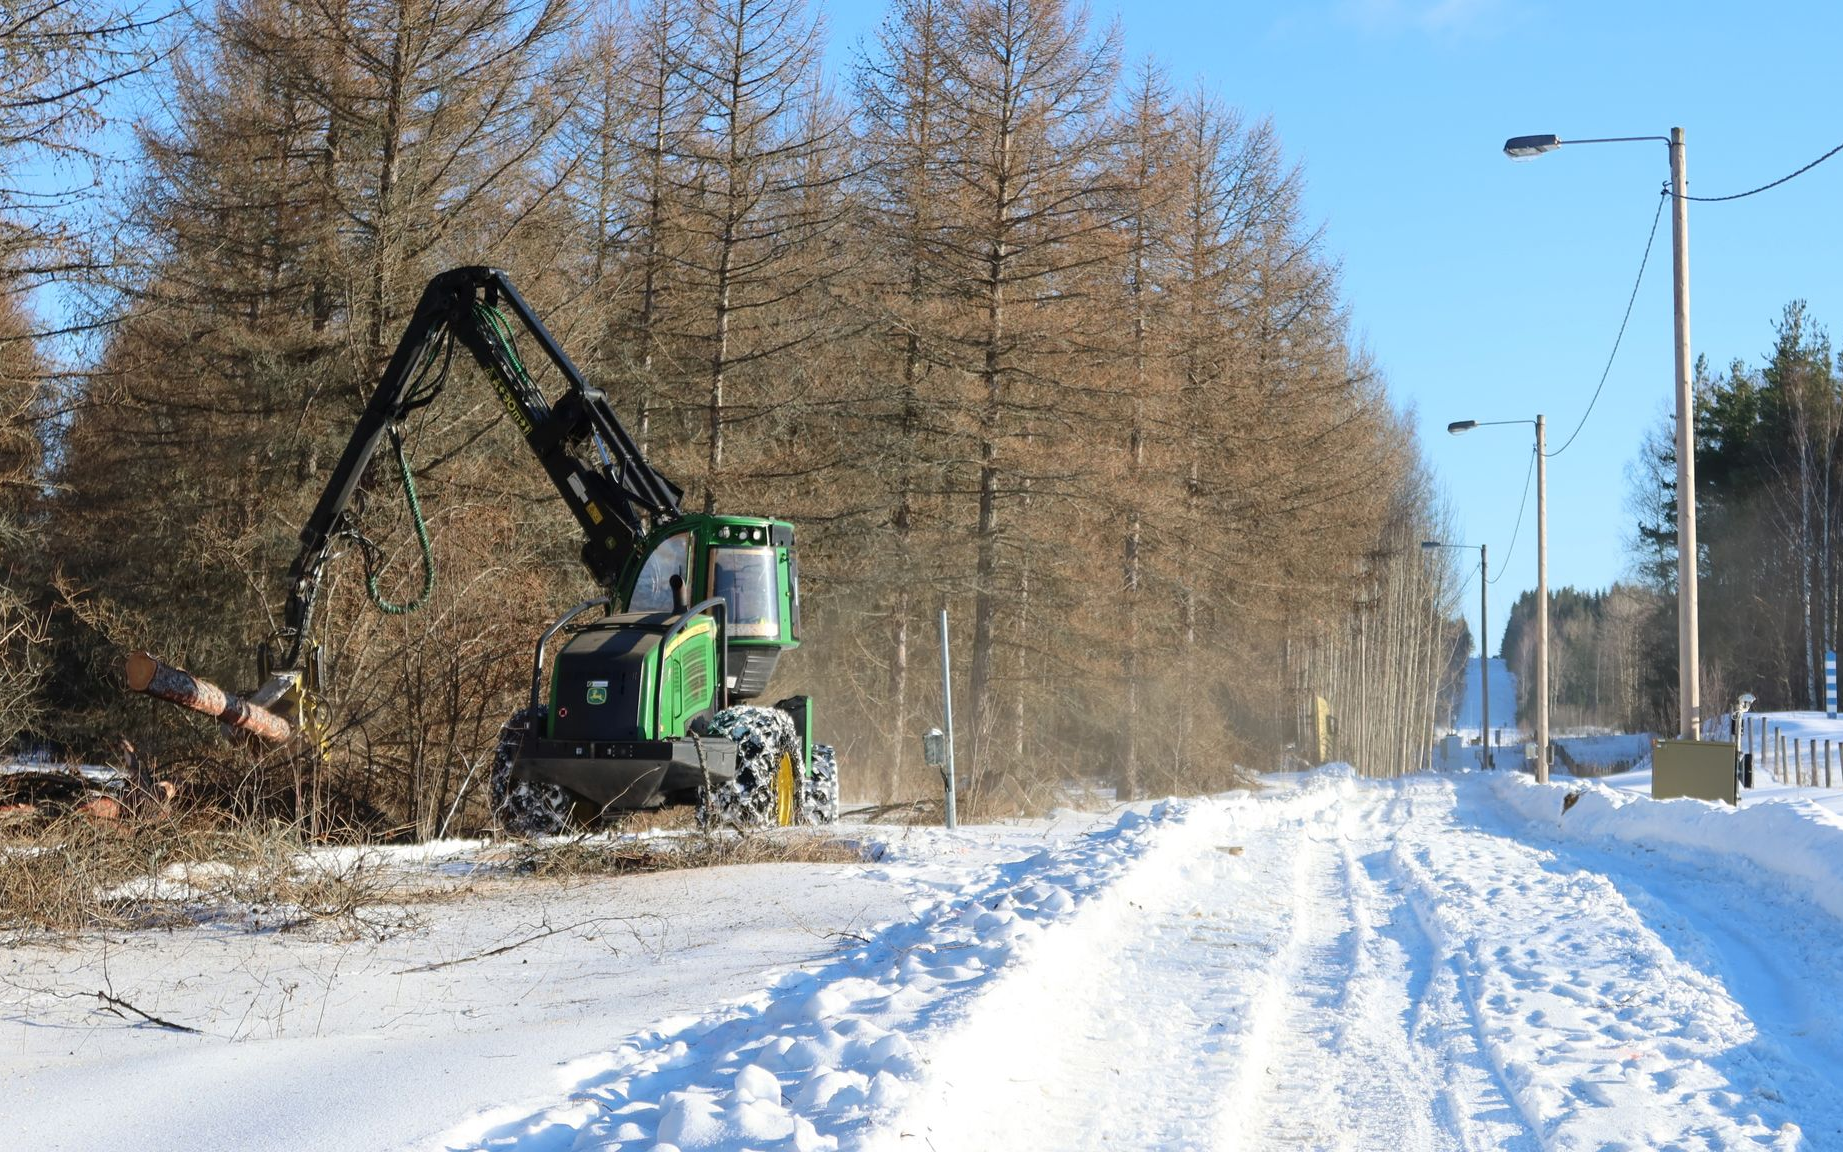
(1796, 840)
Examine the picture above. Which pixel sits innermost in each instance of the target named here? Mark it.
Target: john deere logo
(598, 691)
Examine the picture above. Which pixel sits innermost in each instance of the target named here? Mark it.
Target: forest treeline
(1769, 514)
(1612, 657)
(1002, 325)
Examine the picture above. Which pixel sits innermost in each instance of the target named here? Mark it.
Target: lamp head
(1458, 426)
(1526, 147)
(1430, 545)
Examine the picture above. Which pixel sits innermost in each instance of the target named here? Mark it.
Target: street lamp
(1542, 578)
(1689, 690)
(1529, 147)
(1484, 646)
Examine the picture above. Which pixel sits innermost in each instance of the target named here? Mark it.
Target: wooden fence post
(1779, 760)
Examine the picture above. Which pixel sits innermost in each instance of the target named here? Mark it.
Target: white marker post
(947, 775)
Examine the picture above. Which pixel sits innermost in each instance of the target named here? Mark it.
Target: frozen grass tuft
(607, 855)
(79, 873)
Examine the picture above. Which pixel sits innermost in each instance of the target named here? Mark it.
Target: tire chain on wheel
(761, 735)
(818, 802)
(525, 807)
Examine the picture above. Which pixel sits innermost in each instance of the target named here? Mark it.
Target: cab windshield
(744, 577)
(653, 590)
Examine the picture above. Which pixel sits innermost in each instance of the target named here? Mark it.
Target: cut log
(148, 675)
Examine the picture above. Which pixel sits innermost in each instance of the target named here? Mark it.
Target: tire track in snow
(1472, 1101)
(1351, 1072)
(1763, 952)
(1214, 1001)
(1602, 1037)
(1128, 1028)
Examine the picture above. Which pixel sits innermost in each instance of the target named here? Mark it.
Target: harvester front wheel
(525, 807)
(767, 753)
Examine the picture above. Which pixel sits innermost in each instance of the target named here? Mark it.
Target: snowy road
(1405, 967)
(1502, 683)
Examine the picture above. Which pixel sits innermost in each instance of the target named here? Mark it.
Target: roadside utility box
(1703, 769)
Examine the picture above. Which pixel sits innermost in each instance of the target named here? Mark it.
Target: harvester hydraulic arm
(615, 495)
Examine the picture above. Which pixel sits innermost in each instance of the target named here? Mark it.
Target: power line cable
(1646, 259)
(1470, 574)
(1764, 187)
(1518, 530)
(1626, 319)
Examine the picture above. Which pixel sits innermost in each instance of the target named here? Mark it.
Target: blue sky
(1489, 289)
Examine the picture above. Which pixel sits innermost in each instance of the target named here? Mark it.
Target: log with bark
(148, 675)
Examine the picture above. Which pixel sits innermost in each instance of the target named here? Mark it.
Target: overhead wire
(1765, 187)
(1645, 260)
(1518, 529)
(1625, 320)
(1631, 300)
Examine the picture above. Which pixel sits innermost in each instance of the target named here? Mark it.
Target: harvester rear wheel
(526, 807)
(819, 791)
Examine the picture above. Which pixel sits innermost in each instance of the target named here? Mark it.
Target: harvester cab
(644, 704)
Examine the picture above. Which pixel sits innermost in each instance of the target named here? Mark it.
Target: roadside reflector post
(946, 764)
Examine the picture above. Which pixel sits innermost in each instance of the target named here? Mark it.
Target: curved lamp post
(1484, 646)
(1689, 690)
(1542, 581)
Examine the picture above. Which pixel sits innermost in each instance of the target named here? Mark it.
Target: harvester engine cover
(625, 722)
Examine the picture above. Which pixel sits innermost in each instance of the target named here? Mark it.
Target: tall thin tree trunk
(390, 160)
(985, 572)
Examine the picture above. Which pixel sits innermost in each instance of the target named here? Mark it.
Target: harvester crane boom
(615, 495)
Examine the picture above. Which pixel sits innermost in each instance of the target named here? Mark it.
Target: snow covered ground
(1441, 962)
(1458, 749)
(1503, 685)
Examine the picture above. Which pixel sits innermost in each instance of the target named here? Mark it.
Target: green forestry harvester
(638, 705)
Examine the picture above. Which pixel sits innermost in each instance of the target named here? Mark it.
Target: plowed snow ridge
(1332, 964)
